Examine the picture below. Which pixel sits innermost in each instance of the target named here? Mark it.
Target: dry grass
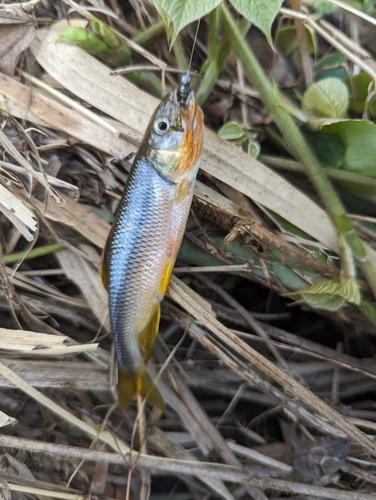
(263, 400)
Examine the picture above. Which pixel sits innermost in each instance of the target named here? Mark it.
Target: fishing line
(184, 89)
(193, 46)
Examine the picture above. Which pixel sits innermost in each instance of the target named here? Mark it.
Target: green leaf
(166, 19)
(103, 41)
(286, 40)
(326, 98)
(359, 138)
(359, 88)
(330, 60)
(120, 54)
(323, 7)
(349, 290)
(328, 148)
(331, 294)
(260, 12)
(241, 137)
(323, 301)
(283, 271)
(231, 131)
(346, 229)
(184, 12)
(355, 244)
(84, 39)
(368, 310)
(288, 45)
(253, 148)
(344, 224)
(369, 7)
(330, 66)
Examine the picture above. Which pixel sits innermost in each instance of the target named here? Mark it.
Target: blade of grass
(33, 253)
(332, 173)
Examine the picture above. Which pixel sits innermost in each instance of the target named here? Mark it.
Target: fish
(145, 238)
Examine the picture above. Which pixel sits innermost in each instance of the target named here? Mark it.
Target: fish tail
(139, 382)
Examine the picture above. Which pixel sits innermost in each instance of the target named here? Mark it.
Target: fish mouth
(190, 108)
(191, 99)
(182, 100)
(184, 90)
(183, 115)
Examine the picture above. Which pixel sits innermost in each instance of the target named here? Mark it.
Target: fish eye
(161, 125)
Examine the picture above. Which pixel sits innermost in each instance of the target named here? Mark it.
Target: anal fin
(166, 277)
(139, 382)
(148, 335)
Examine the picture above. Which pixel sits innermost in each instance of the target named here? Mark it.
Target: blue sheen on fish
(145, 238)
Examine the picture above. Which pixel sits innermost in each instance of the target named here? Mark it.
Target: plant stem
(178, 49)
(150, 32)
(33, 254)
(292, 134)
(219, 52)
(333, 173)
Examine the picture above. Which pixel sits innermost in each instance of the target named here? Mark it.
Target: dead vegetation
(264, 400)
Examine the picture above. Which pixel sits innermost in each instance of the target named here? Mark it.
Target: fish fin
(130, 384)
(167, 273)
(148, 335)
(140, 382)
(103, 269)
(182, 188)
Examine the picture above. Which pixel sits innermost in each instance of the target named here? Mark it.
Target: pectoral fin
(130, 384)
(182, 189)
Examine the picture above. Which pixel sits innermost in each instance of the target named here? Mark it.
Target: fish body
(146, 235)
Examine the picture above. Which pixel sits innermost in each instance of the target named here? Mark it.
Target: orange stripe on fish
(193, 143)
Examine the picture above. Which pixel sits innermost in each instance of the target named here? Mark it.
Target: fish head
(174, 138)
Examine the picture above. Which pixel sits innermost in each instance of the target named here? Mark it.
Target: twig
(104, 436)
(216, 440)
(213, 269)
(247, 316)
(337, 45)
(160, 464)
(354, 11)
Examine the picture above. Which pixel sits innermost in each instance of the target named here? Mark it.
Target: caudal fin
(130, 384)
